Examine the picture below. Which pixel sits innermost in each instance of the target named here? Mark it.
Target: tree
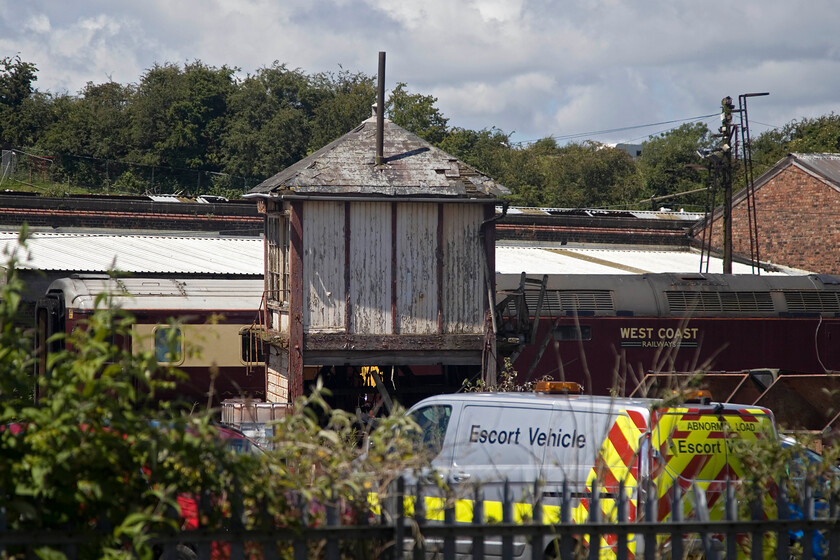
(665, 165)
(24, 126)
(269, 124)
(487, 150)
(95, 123)
(347, 103)
(816, 135)
(587, 174)
(16, 78)
(417, 113)
(178, 118)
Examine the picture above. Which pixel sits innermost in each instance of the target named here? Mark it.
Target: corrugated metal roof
(139, 254)
(825, 165)
(162, 293)
(663, 214)
(578, 260)
(413, 167)
(150, 254)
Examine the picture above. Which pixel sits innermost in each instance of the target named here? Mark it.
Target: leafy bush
(100, 451)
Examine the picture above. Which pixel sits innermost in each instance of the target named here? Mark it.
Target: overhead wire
(619, 129)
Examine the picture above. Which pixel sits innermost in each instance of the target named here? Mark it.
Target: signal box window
(169, 343)
(251, 346)
(277, 271)
(433, 421)
(572, 332)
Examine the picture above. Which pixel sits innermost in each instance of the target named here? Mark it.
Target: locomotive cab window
(169, 345)
(573, 332)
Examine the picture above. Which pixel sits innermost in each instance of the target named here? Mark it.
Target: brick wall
(277, 388)
(798, 219)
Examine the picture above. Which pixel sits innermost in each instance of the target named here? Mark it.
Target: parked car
(805, 467)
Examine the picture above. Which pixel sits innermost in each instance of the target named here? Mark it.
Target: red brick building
(797, 210)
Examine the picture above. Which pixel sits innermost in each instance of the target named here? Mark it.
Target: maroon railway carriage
(216, 342)
(609, 331)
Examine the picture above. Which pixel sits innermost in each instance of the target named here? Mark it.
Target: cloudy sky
(534, 68)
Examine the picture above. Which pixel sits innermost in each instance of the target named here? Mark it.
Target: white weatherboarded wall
(370, 268)
(323, 267)
(463, 269)
(374, 242)
(417, 279)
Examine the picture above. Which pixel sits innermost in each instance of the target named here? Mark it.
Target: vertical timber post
(296, 301)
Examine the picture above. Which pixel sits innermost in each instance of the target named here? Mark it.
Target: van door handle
(460, 476)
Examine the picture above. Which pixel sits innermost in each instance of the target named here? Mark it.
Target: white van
(555, 434)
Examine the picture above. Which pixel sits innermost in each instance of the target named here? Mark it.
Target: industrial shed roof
(622, 260)
(162, 254)
(661, 214)
(137, 254)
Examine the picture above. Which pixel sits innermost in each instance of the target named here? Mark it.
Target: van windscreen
(433, 421)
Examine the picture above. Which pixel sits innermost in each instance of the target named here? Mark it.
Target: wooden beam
(296, 344)
(432, 343)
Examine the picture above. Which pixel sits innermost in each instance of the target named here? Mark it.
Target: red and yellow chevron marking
(694, 447)
(617, 461)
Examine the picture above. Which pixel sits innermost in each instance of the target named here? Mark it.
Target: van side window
(433, 421)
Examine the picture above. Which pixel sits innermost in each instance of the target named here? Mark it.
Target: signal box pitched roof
(412, 168)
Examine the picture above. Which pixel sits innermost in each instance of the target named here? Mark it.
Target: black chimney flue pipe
(380, 112)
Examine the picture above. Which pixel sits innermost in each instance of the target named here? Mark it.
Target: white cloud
(38, 23)
(538, 67)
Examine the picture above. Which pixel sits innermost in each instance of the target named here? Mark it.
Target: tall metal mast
(755, 258)
(726, 133)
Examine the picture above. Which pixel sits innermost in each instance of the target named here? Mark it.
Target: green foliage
(347, 102)
(416, 113)
(664, 166)
(268, 127)
(18, 116)
(15, 344)
(99, 444)
(180, 123)
(817, 135)
(128, 182)
(588, 174)
(178, 115)
(16, 77)
(487, 150)
(505, 384)
(95, 124)
(103, 453)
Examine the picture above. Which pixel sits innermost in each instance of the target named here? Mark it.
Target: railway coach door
(48, 321)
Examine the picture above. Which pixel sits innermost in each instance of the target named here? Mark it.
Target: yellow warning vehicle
(555, 434)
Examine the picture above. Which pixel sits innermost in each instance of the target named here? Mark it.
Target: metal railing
(409, 523)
